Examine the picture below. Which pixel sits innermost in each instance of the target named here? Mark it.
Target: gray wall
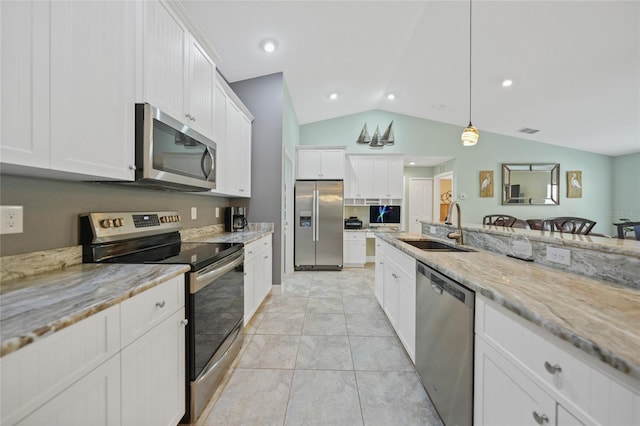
(52, 207)
(263, 96)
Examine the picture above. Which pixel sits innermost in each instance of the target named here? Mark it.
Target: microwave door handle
(206, 154)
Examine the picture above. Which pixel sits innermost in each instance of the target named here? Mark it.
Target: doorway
(442, 195)
(420, 203)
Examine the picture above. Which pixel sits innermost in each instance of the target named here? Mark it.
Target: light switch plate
(10, 220)
(559, 255)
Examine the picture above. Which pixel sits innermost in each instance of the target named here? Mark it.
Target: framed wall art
(574, 184)
(486, 183)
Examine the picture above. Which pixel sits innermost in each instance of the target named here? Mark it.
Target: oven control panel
(113, 226)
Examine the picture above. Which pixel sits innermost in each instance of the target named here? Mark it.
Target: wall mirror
(531, 184)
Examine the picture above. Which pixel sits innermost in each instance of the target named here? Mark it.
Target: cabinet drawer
(404, 261)
(255, 248)
(147, 309)
(570, 376)
(38, 372)
(355, 236)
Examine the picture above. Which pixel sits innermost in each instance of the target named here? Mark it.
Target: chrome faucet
(454, 235)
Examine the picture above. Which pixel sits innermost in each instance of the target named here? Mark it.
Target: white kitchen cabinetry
(379, 271)
(399, 294)
(359, 180)
(153, 357)
(258, 274)
(582, 390)
(354, 249)
(123, 365)
(325, 163)
(178, 75)
(70, 110)
(237, 152)
(374, 177)
(387, 177)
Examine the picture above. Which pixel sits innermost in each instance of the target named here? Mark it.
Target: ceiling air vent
(528, 130)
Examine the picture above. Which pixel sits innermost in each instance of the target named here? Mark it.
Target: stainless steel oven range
(214, 288)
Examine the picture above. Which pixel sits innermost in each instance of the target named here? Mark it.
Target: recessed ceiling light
(269, 45)
(333, 96)
(507, 83)
(412, 163)
(391, 96)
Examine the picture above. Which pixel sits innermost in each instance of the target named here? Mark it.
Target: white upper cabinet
(237, 153)
(92, 89)
(374, 177)
(325, 163)
(178, 75)
(68, 88)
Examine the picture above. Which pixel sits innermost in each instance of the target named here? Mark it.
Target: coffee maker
(235, 219)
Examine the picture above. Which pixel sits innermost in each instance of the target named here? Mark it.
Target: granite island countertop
(597, 317)
(36, 306)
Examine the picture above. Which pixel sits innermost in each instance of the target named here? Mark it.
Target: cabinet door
(565, 418)
(250, 272)
(381, 177)
(24, 54)
(379, 271)
(395, 181)
(332, 164)
(407, 313)
(505, 396)
(265, 278)
(92, 88)
(308, 166)
(92, 400)
(219, 134)
(391, 290)
(153, 375)
(166, 43)
(351, 177)
(365, 178)
(202, 74)
(238, 152)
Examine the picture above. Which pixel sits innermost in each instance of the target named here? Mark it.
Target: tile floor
(322, 352)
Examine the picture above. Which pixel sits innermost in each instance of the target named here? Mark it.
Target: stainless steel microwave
(170, 155)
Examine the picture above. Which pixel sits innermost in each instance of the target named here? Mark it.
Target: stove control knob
(163, 219)
(118, 222)
(106, 223)
(176, 218)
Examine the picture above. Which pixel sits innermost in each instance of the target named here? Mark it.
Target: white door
(420, 203)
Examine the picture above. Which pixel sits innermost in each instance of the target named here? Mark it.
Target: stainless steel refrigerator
(318, 224)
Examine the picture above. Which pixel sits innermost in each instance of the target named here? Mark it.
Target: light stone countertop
(600, 318)
(39, 305)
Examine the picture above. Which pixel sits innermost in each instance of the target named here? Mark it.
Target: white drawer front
(36, 373)
(147, 309)
(255, 248)
(600, 396)
(355, 236)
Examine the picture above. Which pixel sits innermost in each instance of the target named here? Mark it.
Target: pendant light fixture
(470, 134)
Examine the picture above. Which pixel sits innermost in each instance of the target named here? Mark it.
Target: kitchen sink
(430, 245)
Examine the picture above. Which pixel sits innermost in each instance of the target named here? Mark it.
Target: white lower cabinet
(90, 374)
(153, 375)
(399, 293)
(526, 375)
(379, 271)
(92, 400)
(354, 248)
(258, 278)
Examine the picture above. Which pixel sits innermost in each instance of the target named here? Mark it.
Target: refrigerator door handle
(314, 215)
(317, 215)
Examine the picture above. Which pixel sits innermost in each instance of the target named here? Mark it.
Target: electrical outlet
(217, 211)
(194, 213)
(10, 219)
(558, 255)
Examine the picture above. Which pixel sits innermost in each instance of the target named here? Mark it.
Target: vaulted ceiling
(575, 65)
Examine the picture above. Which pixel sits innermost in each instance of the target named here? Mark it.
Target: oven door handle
(207, 276)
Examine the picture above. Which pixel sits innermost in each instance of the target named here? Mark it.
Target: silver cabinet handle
(160, 304)
(193, 118)
(266, 257)
(132, 167)
(540, 418)
(552, 369)
(188, 116)
(184, 322)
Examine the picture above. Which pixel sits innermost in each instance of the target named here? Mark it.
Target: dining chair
(499, 220)
(571, 225)
(624, 227)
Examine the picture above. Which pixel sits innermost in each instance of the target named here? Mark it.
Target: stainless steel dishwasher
(444, 344)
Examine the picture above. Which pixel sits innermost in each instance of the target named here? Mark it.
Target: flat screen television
(384, 215)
